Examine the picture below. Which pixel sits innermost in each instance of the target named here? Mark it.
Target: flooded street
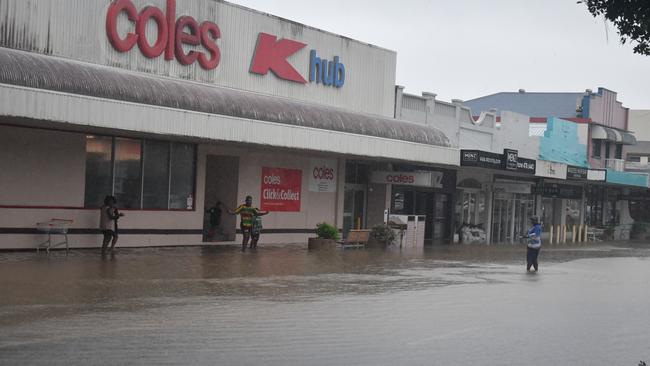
(285, 305)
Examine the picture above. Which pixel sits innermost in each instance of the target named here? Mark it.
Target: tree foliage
(631, 17)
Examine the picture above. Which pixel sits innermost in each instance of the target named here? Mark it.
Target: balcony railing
(635, 165)
(615, 164)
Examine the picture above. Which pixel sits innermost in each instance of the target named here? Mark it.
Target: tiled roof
(530, 104)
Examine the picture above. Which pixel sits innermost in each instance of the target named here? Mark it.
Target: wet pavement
(285, 305)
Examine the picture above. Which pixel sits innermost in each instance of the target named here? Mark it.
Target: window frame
(142, 162)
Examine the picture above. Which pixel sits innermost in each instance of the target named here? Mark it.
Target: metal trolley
(54, 227)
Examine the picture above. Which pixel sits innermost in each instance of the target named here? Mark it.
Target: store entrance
(511, 215)
(354, 207)
(221, 185)
(421, 201)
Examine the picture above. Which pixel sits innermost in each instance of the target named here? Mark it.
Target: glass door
(354, 207)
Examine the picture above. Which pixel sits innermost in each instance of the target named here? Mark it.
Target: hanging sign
(322, 175)
(281, 189)
(510, 159)
(420, 179)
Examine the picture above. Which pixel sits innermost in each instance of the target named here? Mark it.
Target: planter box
(321, 244)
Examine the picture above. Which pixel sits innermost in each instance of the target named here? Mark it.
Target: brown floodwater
(285, 305)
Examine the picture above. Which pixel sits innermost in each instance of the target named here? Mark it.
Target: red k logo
(272, 55)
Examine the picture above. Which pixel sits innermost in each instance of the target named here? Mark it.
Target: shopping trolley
(54, 227)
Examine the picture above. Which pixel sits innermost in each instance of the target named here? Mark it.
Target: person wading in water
(534, 244)
(247, 214)
(108, 217)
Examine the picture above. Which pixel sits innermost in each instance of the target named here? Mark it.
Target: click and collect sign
(322, 175)
(281, 189)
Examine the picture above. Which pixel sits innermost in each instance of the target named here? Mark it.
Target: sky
(464, 49)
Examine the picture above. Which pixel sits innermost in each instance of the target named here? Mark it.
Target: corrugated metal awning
(628, 138)
(603, 133)
(61, 75)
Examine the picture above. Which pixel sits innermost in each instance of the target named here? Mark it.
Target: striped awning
(603, 133)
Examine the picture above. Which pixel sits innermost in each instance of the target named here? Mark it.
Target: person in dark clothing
(214, 213)
(534, 244)
(108, 216)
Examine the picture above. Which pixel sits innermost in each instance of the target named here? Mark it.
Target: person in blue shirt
(534, 237)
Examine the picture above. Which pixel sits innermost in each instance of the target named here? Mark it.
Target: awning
(55, 74)
(628, 138)
(603, 133)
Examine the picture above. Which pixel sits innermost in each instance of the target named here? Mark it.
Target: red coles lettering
(171, 36)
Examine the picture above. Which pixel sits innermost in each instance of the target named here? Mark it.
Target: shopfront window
(608, 146)
(619, 151)
(572, 213)
(596, 149)
(155, 183)
(182, 176)
(141, 174)
(127, 179)
(99, 169)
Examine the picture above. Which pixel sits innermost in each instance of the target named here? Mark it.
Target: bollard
(585, 237)
(557, 236)
(574, 233)
(550, 239)
(563, 234)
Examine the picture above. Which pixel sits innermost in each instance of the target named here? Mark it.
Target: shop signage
(508, 187)
(576, 173)
(420, 179)
(550, 169)
(526, 165)
(271, 54)
(171, 34)
(556, 190)
(322, 177)
(509, 160)
(482, 159)
(281, 189)
(598, 175)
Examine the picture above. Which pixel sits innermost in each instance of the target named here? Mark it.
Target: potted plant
(382, 234)
(327, 235)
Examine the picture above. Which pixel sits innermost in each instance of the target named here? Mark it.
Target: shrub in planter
(382, 234)
(327, 231)
(327, 237)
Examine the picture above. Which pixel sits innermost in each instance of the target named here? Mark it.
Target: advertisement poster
(281, 189)
(322, 177)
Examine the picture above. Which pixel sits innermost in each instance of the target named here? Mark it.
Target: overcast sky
(470, 48)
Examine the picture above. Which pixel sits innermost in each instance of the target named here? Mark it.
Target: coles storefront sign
(421, 179)
(171, 34)
(281, 189)
(323, 175)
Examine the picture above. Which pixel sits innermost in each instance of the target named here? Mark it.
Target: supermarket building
(174, 105)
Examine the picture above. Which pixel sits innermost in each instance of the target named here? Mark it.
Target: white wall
(514, 134)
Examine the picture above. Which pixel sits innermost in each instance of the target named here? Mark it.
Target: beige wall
(46, 168)
(639, 124)
(41, 167)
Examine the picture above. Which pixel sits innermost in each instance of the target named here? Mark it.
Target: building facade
(175, 106)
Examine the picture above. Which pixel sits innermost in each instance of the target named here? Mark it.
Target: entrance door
(221, 185)
(354, 207)
(424, 206)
